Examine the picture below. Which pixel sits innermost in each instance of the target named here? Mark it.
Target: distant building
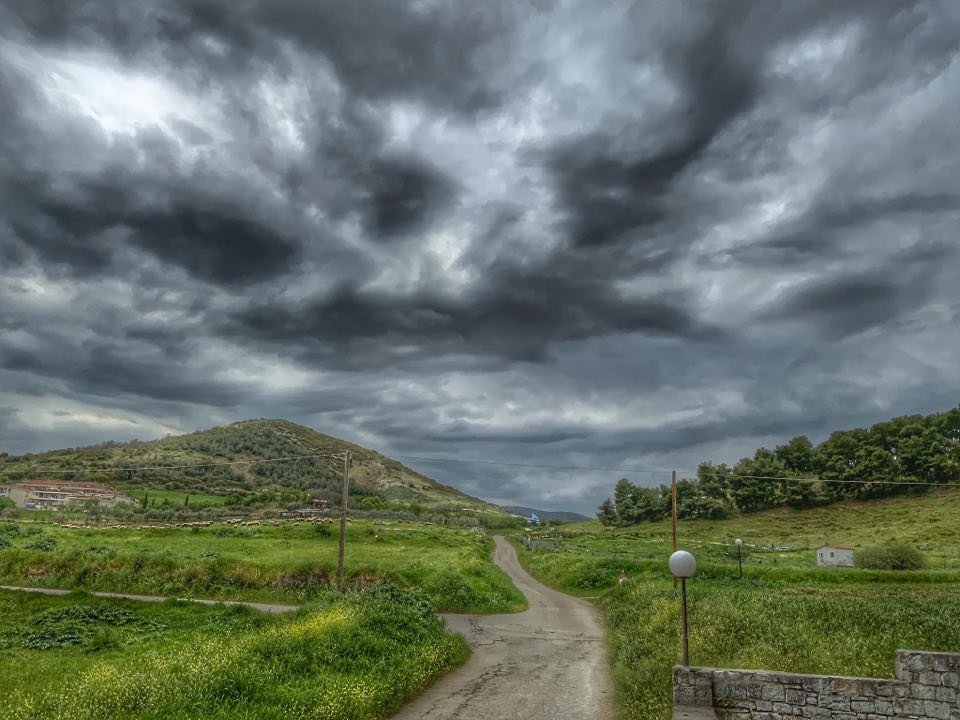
(834, 556)
(534, 519)
(59, 495)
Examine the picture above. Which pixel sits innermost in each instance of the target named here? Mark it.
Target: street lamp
(683, 566)
(740, 554)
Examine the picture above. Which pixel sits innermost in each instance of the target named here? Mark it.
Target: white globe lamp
(683, 564)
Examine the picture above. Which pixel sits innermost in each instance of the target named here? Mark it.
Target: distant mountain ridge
(544, 514)
(215, 461)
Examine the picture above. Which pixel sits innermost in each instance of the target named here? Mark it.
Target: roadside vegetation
(353, 657)
(903, 456)
(785, 614)
(285, 562)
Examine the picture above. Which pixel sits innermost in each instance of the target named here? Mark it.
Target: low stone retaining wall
(927, 687)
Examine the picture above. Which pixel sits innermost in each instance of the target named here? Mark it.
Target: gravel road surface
(548, 663)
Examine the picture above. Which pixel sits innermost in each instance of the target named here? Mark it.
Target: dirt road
(548, 663)
(262, 607)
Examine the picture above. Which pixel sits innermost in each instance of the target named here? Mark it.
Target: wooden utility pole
(343, 519)
(673, 495)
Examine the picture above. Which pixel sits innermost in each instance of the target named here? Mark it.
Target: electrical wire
(633, 471)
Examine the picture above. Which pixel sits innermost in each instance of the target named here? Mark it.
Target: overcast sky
(569, 233)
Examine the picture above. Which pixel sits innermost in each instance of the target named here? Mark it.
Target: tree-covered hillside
(144, 466)
(885, 460)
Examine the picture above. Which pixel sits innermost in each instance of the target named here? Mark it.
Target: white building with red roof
(834, 556)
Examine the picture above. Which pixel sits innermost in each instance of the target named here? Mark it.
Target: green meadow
(785, 614)
(353, 657)
(284, 562)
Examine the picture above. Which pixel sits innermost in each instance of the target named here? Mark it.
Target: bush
(47, 544)
(889, 557)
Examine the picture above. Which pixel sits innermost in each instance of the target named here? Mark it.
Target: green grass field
(341, 658)
(287, 562)
(786, 614)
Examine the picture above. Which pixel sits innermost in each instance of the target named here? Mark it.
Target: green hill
(137, 467)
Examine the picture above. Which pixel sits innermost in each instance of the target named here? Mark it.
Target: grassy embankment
(785, 614)
(285, 563)
(341, 658)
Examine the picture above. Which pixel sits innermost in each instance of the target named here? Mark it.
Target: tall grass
(803, 628)
(287, 563)
(356, 658)
(785, 614)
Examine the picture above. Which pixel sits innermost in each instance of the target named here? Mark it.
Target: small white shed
(834, 556)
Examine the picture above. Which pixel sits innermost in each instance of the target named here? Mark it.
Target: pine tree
(607, 514)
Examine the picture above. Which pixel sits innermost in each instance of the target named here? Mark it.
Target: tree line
(863, 463)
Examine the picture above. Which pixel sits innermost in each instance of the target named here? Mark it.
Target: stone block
(835, 703)
(863, 706)
(915, 662)
(816, 713)
(946, 694)
(773, 692)
(930, 677)
(884, 707)
(908, 707)
(764, 705)
(923, 692)
(813, 684)
(944, 662)
(795, 696)
(936, 709)
(950, 679)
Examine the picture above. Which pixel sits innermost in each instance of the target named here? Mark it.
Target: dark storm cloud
(633, 234)
(823, 232)
(404, 193)
(516, 316)
(610, 192)
(852, 302)
(82, 228)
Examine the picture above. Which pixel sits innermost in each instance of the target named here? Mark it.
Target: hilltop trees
(887, 459)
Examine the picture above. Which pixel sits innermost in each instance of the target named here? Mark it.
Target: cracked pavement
(548, 662)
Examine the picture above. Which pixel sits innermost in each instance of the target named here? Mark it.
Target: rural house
(57, 495)
(834, 556)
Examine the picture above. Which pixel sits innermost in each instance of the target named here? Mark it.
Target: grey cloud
(211, 242)
(404, 193)
(379, 49)
(424, 227)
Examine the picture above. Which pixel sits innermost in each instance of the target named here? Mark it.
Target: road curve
(548, 663)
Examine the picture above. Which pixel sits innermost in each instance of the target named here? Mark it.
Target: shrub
(889, 557)
(47, 544)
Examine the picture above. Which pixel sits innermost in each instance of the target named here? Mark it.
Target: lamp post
(683, 566)
(740, 555)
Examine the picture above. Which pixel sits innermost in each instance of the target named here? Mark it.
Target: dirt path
(548, 663)
(262, 607)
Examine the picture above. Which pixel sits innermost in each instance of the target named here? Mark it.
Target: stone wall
(926, 687)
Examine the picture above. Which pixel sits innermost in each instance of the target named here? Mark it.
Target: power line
(633, 471)
(832, 480)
